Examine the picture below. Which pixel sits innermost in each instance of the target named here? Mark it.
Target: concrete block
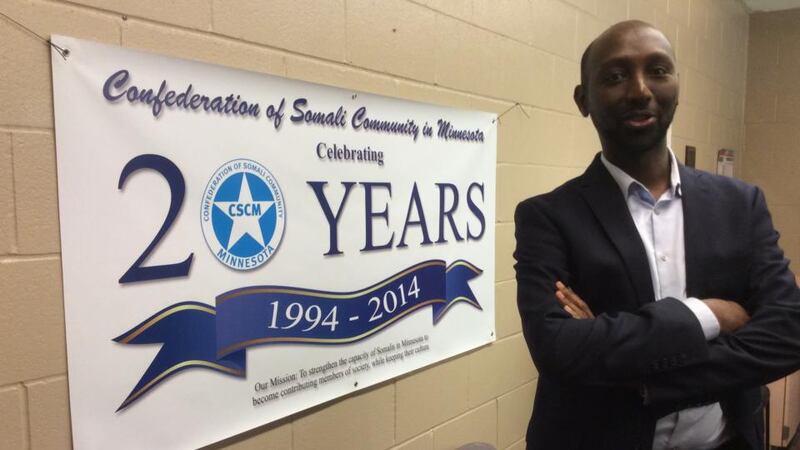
(684, 122)
(504, 249)
(566, 75)
(478, 425)
(756, 160)
(698, 18)
(513, 413)
(466, 56)
(555, 27)
(694, 89)
(185, 13)
(8, 229)
(612, 11)
(761, 103)
(535, 136)
(790, 244)
(338, 75)
(590, 6)
(585, 142)
(642, 10)
(486, 382)
(777, 191)
(303, 26)
(679, 10)
(474, 60)
(506, 312)
(516, 183)
(589, 27)
(48, 410)
(36, 193)
(270, 436)
(706, 158)
(668, 26)
(678, 146)
(202, 47)
(524, 75)
(392, 37)
(421, 442)
(342, 423)
(686, 46)
(519, 445)
(13, 422)
(725, 133)
(714, 27)
(787, 107)
(511, 19)
(26, 89)
(426, 93)
(776, 138)
(786, 219)
(32, 320)
(430, 397)
(705, 53)
(457, 8)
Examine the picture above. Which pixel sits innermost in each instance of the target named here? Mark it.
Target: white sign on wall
(237, 247)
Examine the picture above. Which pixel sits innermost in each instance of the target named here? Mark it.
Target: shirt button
(663, 257)
(656, 211)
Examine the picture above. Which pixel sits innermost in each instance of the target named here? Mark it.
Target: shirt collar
(626, 182)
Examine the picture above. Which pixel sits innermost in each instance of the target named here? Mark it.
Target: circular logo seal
(242, 214)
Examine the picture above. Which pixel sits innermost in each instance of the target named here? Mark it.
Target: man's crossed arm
(730, 315)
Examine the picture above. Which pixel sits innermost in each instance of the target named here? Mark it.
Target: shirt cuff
(708, 321)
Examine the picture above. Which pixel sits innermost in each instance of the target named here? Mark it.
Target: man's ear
(579, 95)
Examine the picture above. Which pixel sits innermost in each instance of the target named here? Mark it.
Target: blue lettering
(298, 106)
(447, 212)
(369, 215)
(276, 114)
(358, 117)
(117, 80)
(476, 211)
(333, 219)
(415, 203)
(244, 209)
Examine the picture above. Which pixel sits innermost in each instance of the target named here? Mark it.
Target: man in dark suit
(680, 303)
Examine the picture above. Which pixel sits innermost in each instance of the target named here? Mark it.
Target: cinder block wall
(478, 54)
(772, 120)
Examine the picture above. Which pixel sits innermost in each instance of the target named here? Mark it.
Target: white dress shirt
(660, 226)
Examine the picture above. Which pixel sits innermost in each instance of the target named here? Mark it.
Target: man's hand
(572, 303)
(730, 315)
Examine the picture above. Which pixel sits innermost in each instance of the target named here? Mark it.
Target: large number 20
(177, 188)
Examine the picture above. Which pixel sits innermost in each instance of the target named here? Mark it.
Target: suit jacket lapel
(693, 197)
(603, 195)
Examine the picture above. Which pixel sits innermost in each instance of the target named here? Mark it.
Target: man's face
(631, 89)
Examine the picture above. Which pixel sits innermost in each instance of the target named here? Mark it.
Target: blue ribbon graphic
(198, 335)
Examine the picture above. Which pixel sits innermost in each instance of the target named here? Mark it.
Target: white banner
(238, 247)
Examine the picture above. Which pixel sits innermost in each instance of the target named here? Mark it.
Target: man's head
(629, 87)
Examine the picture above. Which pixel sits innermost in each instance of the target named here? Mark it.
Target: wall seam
(24, 129)
(211, 14)
(346, 34)
(17, 258)
(27, 437)
(15, 242)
